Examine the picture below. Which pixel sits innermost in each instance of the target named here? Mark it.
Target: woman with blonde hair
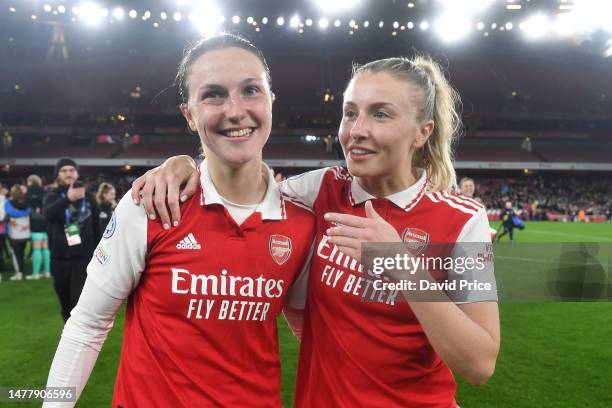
(362, 346)
(106, 199)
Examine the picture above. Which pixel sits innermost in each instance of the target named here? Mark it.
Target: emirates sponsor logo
(189, 242)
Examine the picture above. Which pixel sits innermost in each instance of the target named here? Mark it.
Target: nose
(359, 130)
(235, 111)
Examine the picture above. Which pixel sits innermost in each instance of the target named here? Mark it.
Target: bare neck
(246, 184)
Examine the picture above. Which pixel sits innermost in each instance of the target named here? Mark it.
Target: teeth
(238, 133)
(359, 151)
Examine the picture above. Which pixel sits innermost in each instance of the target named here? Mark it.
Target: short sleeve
(473, 255)
(304, 187)
(120, 256)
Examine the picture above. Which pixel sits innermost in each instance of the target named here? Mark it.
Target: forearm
(82, 340)
(55, 208)
(463, 344)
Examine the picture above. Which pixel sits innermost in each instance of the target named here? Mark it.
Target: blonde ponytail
(440, 103)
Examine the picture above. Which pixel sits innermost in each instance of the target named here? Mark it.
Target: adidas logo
(189, 242)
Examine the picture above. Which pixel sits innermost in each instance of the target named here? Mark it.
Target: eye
(251, 90)
(211, 95)
(349, 114)
(380, 115)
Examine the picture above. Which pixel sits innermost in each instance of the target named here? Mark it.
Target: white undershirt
(239, 212)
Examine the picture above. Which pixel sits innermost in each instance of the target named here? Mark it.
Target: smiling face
(229, 105)
(467, 188)
(379, 131)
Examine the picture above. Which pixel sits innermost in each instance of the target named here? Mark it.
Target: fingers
(173, 201)
(147, 194)
(191, 186)
(348, 242)
(136, 187)
(160, 202)
(346, 219)
(344, 231)
(370, 211)
(351, 252)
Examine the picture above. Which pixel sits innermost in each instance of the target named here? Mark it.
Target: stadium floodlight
(61, 9)
(535, 27)
(452, 28)
(295, 21)
(163, 15)
(337, 23)
(327, 6)
(280, 21)
(466, 7)
(133, 14)
(47, 8)
(509, 26)
(236, 19)
(207, 17)
(250, 20)
(480, 26)
(177, 16)
(90, 13)
(592, 14)
(366, 24)
(264, 20)
(118, 13)
(308, 22)
(323, 23)
(424, 25)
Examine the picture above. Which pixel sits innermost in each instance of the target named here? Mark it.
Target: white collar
(405, 199)
(272, 207)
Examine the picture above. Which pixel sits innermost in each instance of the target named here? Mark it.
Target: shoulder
(454, 204)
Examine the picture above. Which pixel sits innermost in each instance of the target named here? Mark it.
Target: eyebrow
(373, 106)
(216, 87)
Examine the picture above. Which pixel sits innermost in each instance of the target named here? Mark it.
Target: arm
(82, 339)
(13, 212)
(113, 273)
(465, 336)
(163, 183)
(54, 206)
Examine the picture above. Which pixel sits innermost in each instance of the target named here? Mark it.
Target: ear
(188, 117)
(424, 133)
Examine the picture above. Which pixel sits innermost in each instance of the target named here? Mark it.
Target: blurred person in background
(508, 222)
(106, 200)
(73, 226)
(41, 256)
(18, 218)
(3, 227)
(35, 192)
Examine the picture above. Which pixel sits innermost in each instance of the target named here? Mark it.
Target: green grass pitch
(552, 354)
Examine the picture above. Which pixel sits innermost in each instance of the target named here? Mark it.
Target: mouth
(360, 153)
(238, 134)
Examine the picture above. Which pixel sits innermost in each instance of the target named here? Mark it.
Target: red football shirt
(360, 346)
(200, 328)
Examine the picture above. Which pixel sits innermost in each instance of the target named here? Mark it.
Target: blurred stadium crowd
(551, 197)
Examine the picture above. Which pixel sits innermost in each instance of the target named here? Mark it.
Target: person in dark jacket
(106, 200)
(73, 226)
(41, 256)
(18, 215)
